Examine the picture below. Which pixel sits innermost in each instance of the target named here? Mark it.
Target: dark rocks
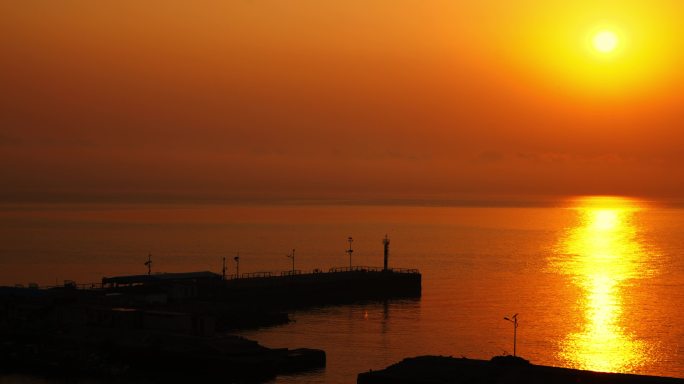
(499, 370)
(150, 355)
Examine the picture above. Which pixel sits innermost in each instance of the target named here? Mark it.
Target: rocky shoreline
(109, 354)
(176, 325)
(69, 333)
(498, 370)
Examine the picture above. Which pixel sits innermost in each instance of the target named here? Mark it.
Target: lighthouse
(386, 243)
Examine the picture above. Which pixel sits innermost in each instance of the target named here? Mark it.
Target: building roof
(160, 277)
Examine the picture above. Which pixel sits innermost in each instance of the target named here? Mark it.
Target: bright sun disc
(605, 41)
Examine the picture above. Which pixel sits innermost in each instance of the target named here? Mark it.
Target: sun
(605, 41)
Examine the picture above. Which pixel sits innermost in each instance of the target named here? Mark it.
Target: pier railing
(361, 268)
(291, 273)
(404, 270)
(356, 268)
(256, 274)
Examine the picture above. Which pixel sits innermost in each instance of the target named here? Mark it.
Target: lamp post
(148, 263)
(292, 256)
(514, 320)
(237, 265)
(350, 251)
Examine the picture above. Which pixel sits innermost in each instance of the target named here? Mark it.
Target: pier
(176, 323)
(287, 289)
(260, 298)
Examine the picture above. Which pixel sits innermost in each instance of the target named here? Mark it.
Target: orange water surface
(598, 282)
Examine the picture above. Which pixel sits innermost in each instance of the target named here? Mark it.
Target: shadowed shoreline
(498, 370)
(173, 325)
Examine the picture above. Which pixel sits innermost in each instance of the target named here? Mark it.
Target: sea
(587, 282)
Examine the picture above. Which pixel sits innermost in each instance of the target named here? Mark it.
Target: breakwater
(259, 299)
(338, 286)
(109, 329)
(285, 290)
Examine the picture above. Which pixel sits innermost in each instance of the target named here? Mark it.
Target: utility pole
(223, 271)
(514, 320)
(148, 263)
(292, 256)
(350, 251)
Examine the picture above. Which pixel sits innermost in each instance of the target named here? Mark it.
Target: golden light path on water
(603, 256)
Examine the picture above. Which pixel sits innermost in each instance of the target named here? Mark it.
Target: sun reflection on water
(603, 256)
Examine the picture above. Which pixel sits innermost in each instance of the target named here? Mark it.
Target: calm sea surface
(598, 283)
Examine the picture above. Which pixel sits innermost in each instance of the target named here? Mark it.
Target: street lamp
(148, 264)
(350, 251)
(291, 256)
(514, 320)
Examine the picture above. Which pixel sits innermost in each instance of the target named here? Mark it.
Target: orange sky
(354, 99)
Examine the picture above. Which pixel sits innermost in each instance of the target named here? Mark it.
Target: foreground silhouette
(499, 370)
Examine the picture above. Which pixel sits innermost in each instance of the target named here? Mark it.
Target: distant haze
(275, 99)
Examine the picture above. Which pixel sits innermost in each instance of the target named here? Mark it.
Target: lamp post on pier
(514, 320)
(292, 256)
(350, 251)
(148, 263)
